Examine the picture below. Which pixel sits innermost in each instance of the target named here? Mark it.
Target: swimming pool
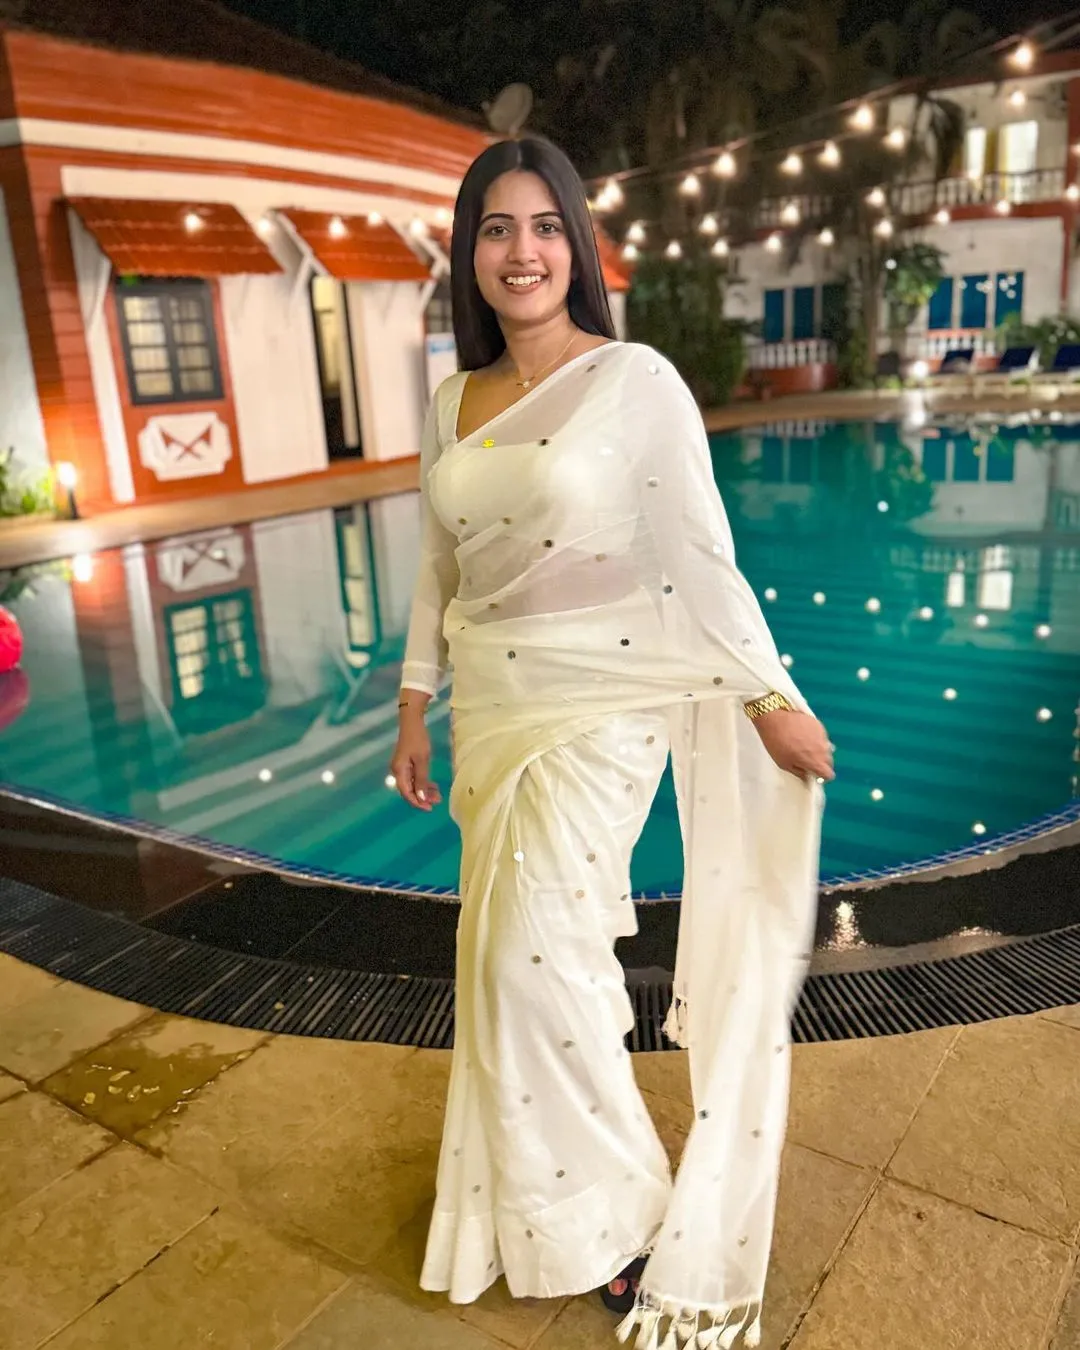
(239, 686)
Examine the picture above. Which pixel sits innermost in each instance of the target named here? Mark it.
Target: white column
(617, 300)
(388, 340)
(21, 427)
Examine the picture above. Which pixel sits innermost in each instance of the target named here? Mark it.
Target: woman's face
(522, 259)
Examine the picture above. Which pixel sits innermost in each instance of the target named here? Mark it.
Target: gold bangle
(772, 702)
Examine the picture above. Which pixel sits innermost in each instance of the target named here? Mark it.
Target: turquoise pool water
(240, 685)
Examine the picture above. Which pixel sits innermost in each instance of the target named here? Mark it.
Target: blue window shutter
(1008, 295)
(941, 305)
(973, 301)
(773, 327)
(802, 313)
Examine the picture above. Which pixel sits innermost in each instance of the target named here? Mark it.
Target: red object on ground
(14, 696)
(11, 641)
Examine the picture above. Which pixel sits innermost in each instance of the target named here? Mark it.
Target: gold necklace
(528, 383)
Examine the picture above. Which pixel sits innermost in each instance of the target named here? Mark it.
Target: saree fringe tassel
(690, 1329)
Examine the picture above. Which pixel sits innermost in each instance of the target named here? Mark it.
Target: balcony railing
(926, 196)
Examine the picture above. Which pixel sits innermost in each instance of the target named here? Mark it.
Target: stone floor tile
(228, 1283)
(921, 1273)
(41, 1141)
(238, 1127)
(664, 1073)
(367, 1314)
(1068, 1016)
(40, 1035)
(854, 1099)
(20, 982)
(9, 1087)
(583, 1324)
(998, 1130)
(519, 1322)
(65, 1247)
(1066, 1334)
(129, 1083)
(819, 1199)
(672, 1120)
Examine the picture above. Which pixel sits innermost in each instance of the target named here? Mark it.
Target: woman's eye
(548, 227)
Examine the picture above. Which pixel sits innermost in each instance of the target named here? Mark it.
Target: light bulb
(774, 243)
(926, 613)
(374, 218)
(791, 164)
(630, 252)
(337, 228)
(390, 781)
(673, 250)
(770, 592)
(709, 225)
(1072, 192)
(418, 228)
(862, 119)
(883, 507)
(444, 216)
(1017, 98)
(1003, 208)
(264, 227)
(192, 222)
(920, 370)
(830, 155)
(1043, 630)
(981, 621)
(863, 672)
(978, 828)
(949, 695)
(1023, 57)
(67, 475)
(896, 139)
(790, 214)
(82, 567)
(826, 238)
(873, 605)
(720, 249)
(327, 776)
(819, 597)
(690, 186)
(265, 775)
(725, 166)
(1044, 715)
(875, 198)
(613, 193)
(876, 794)
(942, 217)
(884, 229)
(636, 233)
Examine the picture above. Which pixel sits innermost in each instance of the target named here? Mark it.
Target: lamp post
(67, 476)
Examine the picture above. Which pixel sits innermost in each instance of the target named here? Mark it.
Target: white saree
(578, 575)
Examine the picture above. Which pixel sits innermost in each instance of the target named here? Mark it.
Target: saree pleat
(590, 607)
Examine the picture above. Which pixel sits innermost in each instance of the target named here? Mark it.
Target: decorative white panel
(215, 558)
(185, 445)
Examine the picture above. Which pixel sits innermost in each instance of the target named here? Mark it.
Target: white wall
(93, 273)
(617, 300)
(395, 542)
(388, 339)
(961, 508)
(275, 376)
(21, 426)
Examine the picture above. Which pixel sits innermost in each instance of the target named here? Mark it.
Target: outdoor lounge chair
(1064, 369)
(956, 369)
(1015, 364)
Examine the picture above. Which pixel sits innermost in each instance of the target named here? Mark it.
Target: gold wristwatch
(771, 702)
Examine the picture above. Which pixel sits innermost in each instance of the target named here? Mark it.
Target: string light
(826, 238)
(774, 243)
(884, 229)
(942, 217)
(1043, 630)
(613, 193)
(949, 695)
(337, 228)
(896, 139)
(444, 216)
(873, 605)
(720, 249)
(1003, 208)
(673, 250)
(630, 252)
(926, 613)
(862, 119)
(264, 227)
(1072, 192)
(875, 198)
(725, 166)
(790, 214)
(830, 155)
(978, 828)
(876, 794)
(709, 225)
(791, 164)
(863, 672)
(690, 186)
(636, 233)
(1017, 98)
(418, 228)
(374, 218)
(192, 222)
(1023, 57)
(1044, 715)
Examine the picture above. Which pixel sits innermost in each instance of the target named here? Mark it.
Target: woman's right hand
(411, 763)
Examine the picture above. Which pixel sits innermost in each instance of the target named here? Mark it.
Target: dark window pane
(973, 297)
(933, 459)
(802, 312)
(941, 305)
(773, 327)
(966, 460)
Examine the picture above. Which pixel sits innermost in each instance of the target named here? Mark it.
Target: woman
(577, 572)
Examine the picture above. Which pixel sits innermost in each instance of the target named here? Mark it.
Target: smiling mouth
(527, 281)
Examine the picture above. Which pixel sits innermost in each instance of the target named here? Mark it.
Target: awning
(616, 273)
(352, 249)
(173, 239)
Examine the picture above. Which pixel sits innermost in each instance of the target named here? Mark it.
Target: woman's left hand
(798, 743)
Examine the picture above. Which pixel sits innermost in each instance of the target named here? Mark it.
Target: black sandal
(622, 1303)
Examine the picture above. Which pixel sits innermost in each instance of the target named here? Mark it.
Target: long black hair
(476, 328)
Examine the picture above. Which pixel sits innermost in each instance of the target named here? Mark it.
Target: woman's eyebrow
(505, 215)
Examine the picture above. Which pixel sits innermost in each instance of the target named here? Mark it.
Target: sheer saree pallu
(579, 558)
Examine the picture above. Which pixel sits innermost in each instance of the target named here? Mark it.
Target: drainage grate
(195, 980)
